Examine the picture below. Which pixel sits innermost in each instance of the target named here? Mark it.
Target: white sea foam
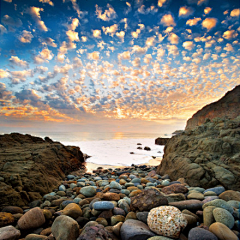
(117, 151)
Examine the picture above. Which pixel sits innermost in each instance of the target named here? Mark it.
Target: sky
(121, 66)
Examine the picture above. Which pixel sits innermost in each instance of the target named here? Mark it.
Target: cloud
(198, 2)
(94, 55)
(20, 75)
(26, 37)
(41, 69)
(229, 34)
(84, 38)
(9, 21)
(35, 13)
(5, 95)
(143, 10)
(72, 36)
(43, 56)
(2, 29)
(74, 24)
(189, 45)
(185, 12)
(96, 33)
(192, 22)
(235, 12)
(47, 1)
(16, 61)
(228, 47)
(139, 50)
(135, 34)
(150, 41)
(9, 1)
(109, 14)
(173, 38)
(50, 42)
(30, 95)
(124, 56)
(111, 30)
(167, 20)
(121, 35)
(209, 23)
(172, 50)
(207, 10)
(147, 59)
(4, 74)
(161, 2)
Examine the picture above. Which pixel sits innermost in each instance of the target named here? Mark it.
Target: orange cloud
(16, 61)
(96, 33)
(167, 20)
(108, 14)
(235, 12)
(185, 12)
(26, 37)
(35, 13)
(209, 23)
(173, 38)
(192, 22)
(93, 55)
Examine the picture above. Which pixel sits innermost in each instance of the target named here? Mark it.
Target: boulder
(205, 156)
(31, 167)
(161, 141)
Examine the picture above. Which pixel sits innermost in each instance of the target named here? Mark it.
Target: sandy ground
(93, 166)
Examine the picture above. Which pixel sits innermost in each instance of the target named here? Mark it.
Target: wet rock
(32, 219)
(148, 199)
(134, 229)
(65, 228)
(201, 234)
(222, 231)
(223, 216)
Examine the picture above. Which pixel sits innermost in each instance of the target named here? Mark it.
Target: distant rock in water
(31, 167)
(206, 156)
(147, 148)
(228, 106)
(161, 141)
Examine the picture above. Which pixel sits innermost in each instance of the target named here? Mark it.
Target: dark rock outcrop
(205, 156)
(161, 141)
(31, 167)
(228, 106)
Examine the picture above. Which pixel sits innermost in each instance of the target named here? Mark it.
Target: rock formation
(31, 167)
(205, 156)
(161, 141)
(228, 106)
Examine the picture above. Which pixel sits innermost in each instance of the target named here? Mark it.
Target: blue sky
(142, 66)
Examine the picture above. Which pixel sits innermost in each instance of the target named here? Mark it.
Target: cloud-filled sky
(89, 65)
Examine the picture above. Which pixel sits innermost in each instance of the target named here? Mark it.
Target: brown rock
(111, 196)
(222, 231)
(9, 233)
(46, 231)
(106, 214)
(148, 199)
(191, 205)
(33, 163)
(6, 219)
(175, 188)
(12, 209)
(230, 195)
(135, 192)
(72, 210)
(32, 219)
(35, 237)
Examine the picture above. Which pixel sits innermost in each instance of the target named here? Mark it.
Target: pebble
(219, 203)
(217, 190)
(223, 216)
(201, 234)
(222, 231)
(103, 205)
(9, 233)
(88, 191)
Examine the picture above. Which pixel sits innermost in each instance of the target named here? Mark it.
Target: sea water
(115, 148)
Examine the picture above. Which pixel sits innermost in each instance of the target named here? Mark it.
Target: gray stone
(65, 228)
(223, 216)
(35, 237)
(62, 188)
(142, 216)
(201, 234)
(219, 203)
(103, 205)
(134, 229)
(115, 185)
(88, 191)
(217, 190)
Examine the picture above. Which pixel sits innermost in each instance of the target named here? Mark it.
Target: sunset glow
(114, 65)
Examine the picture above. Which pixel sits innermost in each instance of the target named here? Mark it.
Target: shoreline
(90, 167)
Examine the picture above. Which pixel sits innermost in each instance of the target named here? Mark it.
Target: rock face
(161, 141)
(226, 106)
(205, 156)
(31, 167)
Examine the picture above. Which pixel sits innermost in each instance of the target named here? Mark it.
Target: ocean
(112, 148)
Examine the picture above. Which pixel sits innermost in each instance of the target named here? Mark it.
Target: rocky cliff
(228, 106)
(161, 141)
(205, 156)
(31, 167)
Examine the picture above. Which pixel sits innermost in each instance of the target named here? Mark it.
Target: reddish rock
(147, 200)
(230, 195)
(111, 196)
(175, 188)
(191, 205)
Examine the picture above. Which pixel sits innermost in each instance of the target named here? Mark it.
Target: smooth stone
(234, 203)
(81, 184)
(77, 200)
(191, 205)
(196, 195)
(65, 228)
(62, 188)
(125, 191)
(102, 183)
(175, 188)
(103, 205)
(230, 195)
(65, 203)
(223, 216)
(93, 201)
(9, 233)
(142, 216)
(129, 185)
(201, 234)
(122, 203)
(208, 217)
(88, 191)
(219, 203)
(116, 228)
(116, 219)
(136, 180)
(102, 221)
(32, 219)
(209, 199)
(115, 185)
(165, 182)
(35, 237)
(159, 238)
(217, 190)
(134, 229)
(12, 209)
(222, 231)
(191, 220)
(109, 196)
(175, 197)
(70, 177)
(47, 214)
(118, 211)
(72, 210)
(209, 193)
(131, 215)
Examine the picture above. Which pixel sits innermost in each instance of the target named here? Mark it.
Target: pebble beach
(125, 203)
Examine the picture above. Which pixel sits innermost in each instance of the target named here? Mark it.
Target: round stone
(223, 216)
(62, 188)
(166, 221)
(88, 191)
(222, 231)
(201, 234)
